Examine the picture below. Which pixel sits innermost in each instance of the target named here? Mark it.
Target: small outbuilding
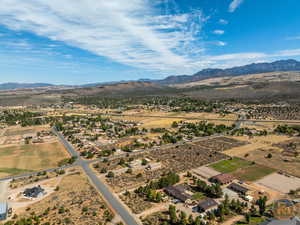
(3, 210)
(239, 189)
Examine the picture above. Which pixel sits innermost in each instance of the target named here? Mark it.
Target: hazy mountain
(10, 86)
(255, 68)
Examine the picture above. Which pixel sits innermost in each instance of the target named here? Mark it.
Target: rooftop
(237, 187)
(223, 178)
(3, 207)
(178, 192)
(207, 204)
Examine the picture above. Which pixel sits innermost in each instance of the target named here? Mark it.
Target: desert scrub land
(75, 201)
(32, 157)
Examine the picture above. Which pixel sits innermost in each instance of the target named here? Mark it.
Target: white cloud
(132, 33)
(234, 5)
(223, 21)
(250, 55)
(219, 32)
(293, 38)
(289, 52)
(220, 43)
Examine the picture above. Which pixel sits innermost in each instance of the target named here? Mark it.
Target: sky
(87, 41)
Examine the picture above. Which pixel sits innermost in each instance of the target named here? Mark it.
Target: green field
(252, 173)
(230, 165)
(254, 220)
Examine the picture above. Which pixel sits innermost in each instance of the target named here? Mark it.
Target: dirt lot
(255, 143)
(13, 131)
(205, 172)
(25, 158)
(75, 202)
(280, 182)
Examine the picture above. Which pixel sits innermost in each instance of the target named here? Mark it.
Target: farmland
(230, 165)
(18, 159)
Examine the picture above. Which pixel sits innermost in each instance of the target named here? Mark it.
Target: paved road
(102, 188)
(67, 145)
(111, 199)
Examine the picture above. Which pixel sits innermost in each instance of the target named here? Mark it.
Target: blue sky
(84, 41)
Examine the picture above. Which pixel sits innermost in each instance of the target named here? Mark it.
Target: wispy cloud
(219, 43)
(223, 21)
(219, 32)
(134, 33)
(293, 38)
(234, 5)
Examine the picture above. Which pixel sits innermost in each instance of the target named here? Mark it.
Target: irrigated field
(24, 158)
(230, 165)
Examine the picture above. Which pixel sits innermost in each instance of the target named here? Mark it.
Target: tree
(247, 217)
(191, 220)
(172, 213)
(261, 202)
(110, 174)
(158, 197)
(253, 210)
(198, 221)
(144, 162)
(183, 220)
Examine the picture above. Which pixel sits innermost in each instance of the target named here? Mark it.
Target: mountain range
(254, 68)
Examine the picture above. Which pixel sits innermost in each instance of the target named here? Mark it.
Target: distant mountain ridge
(254, 68)
(11, 85)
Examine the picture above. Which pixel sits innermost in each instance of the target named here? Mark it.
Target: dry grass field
(13, 131)
(255, 143)
(24, 158)
(156, 122)
(261, 147)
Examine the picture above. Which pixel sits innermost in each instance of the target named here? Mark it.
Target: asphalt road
(101, 187)
(67, 145)
(110, 198)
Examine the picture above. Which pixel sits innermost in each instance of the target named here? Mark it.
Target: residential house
(178, 192)
(208, 204)
(34, 192)
(222, 179)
